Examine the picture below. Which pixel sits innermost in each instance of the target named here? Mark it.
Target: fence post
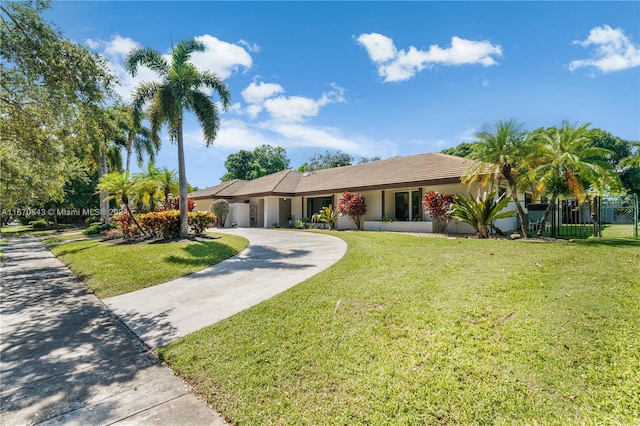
(595, 216)
(636, 213)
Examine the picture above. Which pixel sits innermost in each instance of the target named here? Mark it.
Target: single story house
(393, 190)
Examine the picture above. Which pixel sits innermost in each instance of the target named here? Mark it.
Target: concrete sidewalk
(274, 261)
(66, 359)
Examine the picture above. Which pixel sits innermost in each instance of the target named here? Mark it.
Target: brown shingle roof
(414, 170)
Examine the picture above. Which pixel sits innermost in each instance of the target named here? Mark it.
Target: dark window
(415, 205)
(402, 206)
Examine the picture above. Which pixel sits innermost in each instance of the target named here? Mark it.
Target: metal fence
(619, 216)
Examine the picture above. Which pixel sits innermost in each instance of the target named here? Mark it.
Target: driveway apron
(66, 359)
(275, 261)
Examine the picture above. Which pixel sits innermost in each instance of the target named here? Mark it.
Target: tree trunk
(551, 204)
(129, 147)
(182, 184)
(104, 204)
(523, 224)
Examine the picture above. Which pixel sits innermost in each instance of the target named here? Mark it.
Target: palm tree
(501, 154)
(632, 160)
(562, 167)
(168, 184)
(121, 187)
(181, 88)
(139, 140)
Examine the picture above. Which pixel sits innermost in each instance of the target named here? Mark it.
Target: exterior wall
(296, 208)
(238, 214)
(203, 204)
(271, 211)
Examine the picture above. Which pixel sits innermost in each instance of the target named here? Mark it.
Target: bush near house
(220, 208)
(354, 206)
(199, 221)
(439, 205)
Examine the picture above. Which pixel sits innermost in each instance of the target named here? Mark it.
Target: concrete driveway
(275, 261)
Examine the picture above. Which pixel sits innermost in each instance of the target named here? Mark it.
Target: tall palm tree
(181, 88)
(564, 163)
(501, 154)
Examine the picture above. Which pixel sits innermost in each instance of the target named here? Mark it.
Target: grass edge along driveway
(407, 330)
(113, 269)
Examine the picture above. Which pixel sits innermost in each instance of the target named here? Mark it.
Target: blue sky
(380, 78)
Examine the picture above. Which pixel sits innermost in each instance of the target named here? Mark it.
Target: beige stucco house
(393, 189)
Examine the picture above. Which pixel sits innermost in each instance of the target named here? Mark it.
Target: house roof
(414, 170)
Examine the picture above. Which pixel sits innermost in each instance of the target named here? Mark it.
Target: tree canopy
(263, 160)
(47, 87)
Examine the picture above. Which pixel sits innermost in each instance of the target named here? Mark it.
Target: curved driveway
(275, 261)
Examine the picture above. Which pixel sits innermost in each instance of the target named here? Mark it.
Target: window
(402, 206)
(314, 205)
(407, 205)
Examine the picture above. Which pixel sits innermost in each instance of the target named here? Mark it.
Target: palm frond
(148, 57)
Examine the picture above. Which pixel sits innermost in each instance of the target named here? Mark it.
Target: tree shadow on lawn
(64, 354)
(203, 254)
(256, 257)
(612, 242)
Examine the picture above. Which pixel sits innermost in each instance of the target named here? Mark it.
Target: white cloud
(257, 93)
(261, 96)
(400, 65)
(485, 83)
(379, 47)
(220, 57)
(251, 47)
(612, 51)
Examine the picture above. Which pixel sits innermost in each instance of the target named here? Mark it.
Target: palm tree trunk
(551, 204)
(104, 204)
(129, 147)
(182, 183)
(523, 225)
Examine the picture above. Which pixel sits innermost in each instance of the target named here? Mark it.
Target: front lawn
(407, 330)
(112, 269)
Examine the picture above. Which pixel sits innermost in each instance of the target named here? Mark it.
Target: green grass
(15, 230)
(109, 269)
(407, 330)
(64, 237)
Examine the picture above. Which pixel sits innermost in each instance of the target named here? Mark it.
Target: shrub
(96, 229)
(91, 220)
(354, 206)
(38, 224)
(220, 208)
(111, 234)
(161, 224)
(439, 207)
(127, 224)
(327, 215)
(480, 212)
(199, 221)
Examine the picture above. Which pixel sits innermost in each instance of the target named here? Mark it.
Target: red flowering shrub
(354, 206)
(439, 207)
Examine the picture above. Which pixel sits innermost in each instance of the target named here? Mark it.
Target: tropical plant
(501, 154)
(354, 206)
(182, 87)
(327, 215)
(139, 140)
(121, 186)
(438, 205)
(220, 208)
(482, 211)
(565, 162)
